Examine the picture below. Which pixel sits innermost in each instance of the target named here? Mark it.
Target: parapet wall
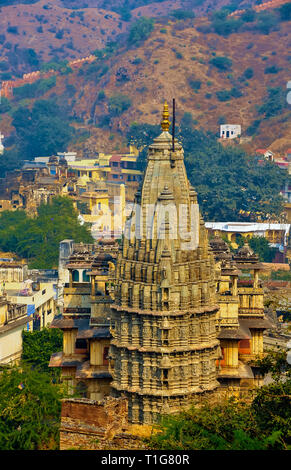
(92, 425)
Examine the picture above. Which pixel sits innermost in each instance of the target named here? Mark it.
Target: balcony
(77, 310)
(250, 311)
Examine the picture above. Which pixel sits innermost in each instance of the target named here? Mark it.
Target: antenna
(173, 127)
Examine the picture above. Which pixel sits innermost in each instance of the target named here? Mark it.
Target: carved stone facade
(241, 320)
(164, 345)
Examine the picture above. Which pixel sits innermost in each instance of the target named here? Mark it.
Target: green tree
(118, 103)
(142, 135)
(262, 422)
(37, 239)
(43, 130)
(262, 248)
(38, 346)
(30, 406)
(222, 63)
(274, 102)
(229, 425)
(5, 105)
(226, 179)
(285, 12)
(140, 30)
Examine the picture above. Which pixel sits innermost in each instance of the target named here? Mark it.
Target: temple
(167, 317)
(241, 320)
(164, 346)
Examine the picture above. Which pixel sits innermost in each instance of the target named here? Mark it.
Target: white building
(230, 131)
(13, 319)
(39, 298)
(1, 144)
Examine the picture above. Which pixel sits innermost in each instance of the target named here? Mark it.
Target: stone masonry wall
(92, 425)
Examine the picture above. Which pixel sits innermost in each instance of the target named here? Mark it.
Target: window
(75, 275)
(81, 344)
(105, 355)
(86, 278)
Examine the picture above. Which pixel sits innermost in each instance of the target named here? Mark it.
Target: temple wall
(95, 425)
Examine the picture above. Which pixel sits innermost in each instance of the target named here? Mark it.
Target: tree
(37, 239)
(222, 63)
(140, 30)
(274, 103)
(267, 21)
(227, 180)
(229, 425)
(30, 406)
(261, 422)
(142, 135)
(118, 103)
(262, 248)
(38, 346)
(285, 12)
(43, 130)
(5, 105)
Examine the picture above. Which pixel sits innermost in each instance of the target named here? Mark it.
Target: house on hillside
(230, 131)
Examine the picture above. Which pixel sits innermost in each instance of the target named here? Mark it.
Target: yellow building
(276, 234)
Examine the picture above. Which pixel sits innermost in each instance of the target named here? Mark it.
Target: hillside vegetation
(216, 75)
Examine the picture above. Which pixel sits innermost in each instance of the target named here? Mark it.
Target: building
(170, 318)
(230, 131)
(39, 299)
(241, 320)
(85, 319)
(12, 270)
(276, 234)
(13, 319)
(164, 345)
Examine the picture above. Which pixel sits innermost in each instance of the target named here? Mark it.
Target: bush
(182, 14)
(223, 95)
(195, 84)
(249, 73)
(275, 102)
(118, 103)
(137, 61)
(272, 69)
(254, 127)
(267, 22)
(101, 95)
(36, 89)
(140, 30)
(285, 12)
(221, 63)
(248, 16)
(12, 30)
(5, 105)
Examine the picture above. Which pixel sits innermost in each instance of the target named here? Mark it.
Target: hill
(217, 78)
(36, 31)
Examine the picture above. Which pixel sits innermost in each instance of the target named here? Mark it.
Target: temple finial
(165, 124)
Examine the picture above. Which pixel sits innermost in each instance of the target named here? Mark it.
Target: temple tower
(164, 344)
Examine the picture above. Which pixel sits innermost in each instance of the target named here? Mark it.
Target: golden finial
(165, 121)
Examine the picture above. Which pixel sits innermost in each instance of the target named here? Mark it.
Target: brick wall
(92, 425)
